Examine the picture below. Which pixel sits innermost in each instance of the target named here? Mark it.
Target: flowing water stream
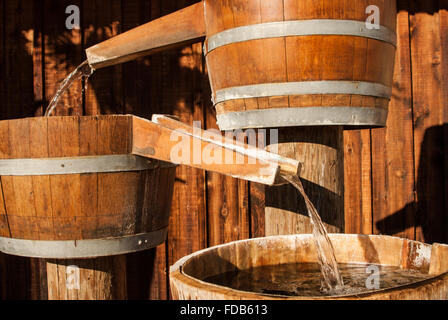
(332, 281)
(83, 71)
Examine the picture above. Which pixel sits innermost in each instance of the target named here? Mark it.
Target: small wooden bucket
(71, 189)
(299, 62)
(187, 274)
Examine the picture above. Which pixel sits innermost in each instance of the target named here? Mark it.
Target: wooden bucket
(299, 62)
(187, 274)
(280, 63)
(71, 189)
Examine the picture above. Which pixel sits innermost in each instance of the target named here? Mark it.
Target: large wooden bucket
(71, 189)
(278, 63)
(187, 274)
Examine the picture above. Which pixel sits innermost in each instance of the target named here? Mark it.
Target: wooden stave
(187, 286)
(216, 22)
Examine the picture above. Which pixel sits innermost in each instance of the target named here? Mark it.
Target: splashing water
(332, 280)
(84, 70)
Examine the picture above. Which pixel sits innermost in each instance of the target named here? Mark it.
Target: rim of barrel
(88, 248)
(176, 271)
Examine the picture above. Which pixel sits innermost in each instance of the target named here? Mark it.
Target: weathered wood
(89, 279)
(186, 274)
(18, 41)
(102, 21)
(357, 181)
(392, 151)
(320, 152)
(177, 28)
(79, 206)
(428, 115)
(297, 59)
(170, 140)
(61, 56)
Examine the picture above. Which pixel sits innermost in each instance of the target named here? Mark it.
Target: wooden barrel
(70, 188)
(282, 63)
(187, 274)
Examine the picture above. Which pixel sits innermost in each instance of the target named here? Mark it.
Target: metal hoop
(73, 249)
(299, 28)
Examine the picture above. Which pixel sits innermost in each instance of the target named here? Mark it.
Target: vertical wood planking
(38, 58)
(101, 21)
(63, 53)
(357, 182)
(428, 120)
(443, 16)
(18, 59)
(392, 149)
(136, 75)
(182, 75)
(146, 278)
(3, 222)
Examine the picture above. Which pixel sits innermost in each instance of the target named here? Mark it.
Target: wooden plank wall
(396, 178)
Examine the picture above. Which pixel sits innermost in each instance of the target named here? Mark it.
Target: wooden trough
(187, 274)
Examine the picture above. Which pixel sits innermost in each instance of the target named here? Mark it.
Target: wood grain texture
(80, 206)
(358, 181)
(99, 279)
(63, 53)
(320, 151)
(429, 114)
(180, 27)
(295, 58)
(104, 93)
(393, 180)
(161, 90)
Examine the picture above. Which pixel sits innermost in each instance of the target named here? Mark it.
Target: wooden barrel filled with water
(290, 63)
(280, 267)
(72, 189)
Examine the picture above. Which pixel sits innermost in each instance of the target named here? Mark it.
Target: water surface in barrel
(332, 281)
(82, 71)
(304, 279)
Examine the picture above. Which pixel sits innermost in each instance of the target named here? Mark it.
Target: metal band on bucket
(73, 249)
(304, 116)
(303, 88)
(77, 165)
(299, 28)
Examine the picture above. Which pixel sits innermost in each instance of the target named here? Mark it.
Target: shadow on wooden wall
(429, 211)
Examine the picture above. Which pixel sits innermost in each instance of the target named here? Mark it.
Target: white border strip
(303, 88)
(299, 28)
(73, 249)
(305, 116)
(77, 165)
